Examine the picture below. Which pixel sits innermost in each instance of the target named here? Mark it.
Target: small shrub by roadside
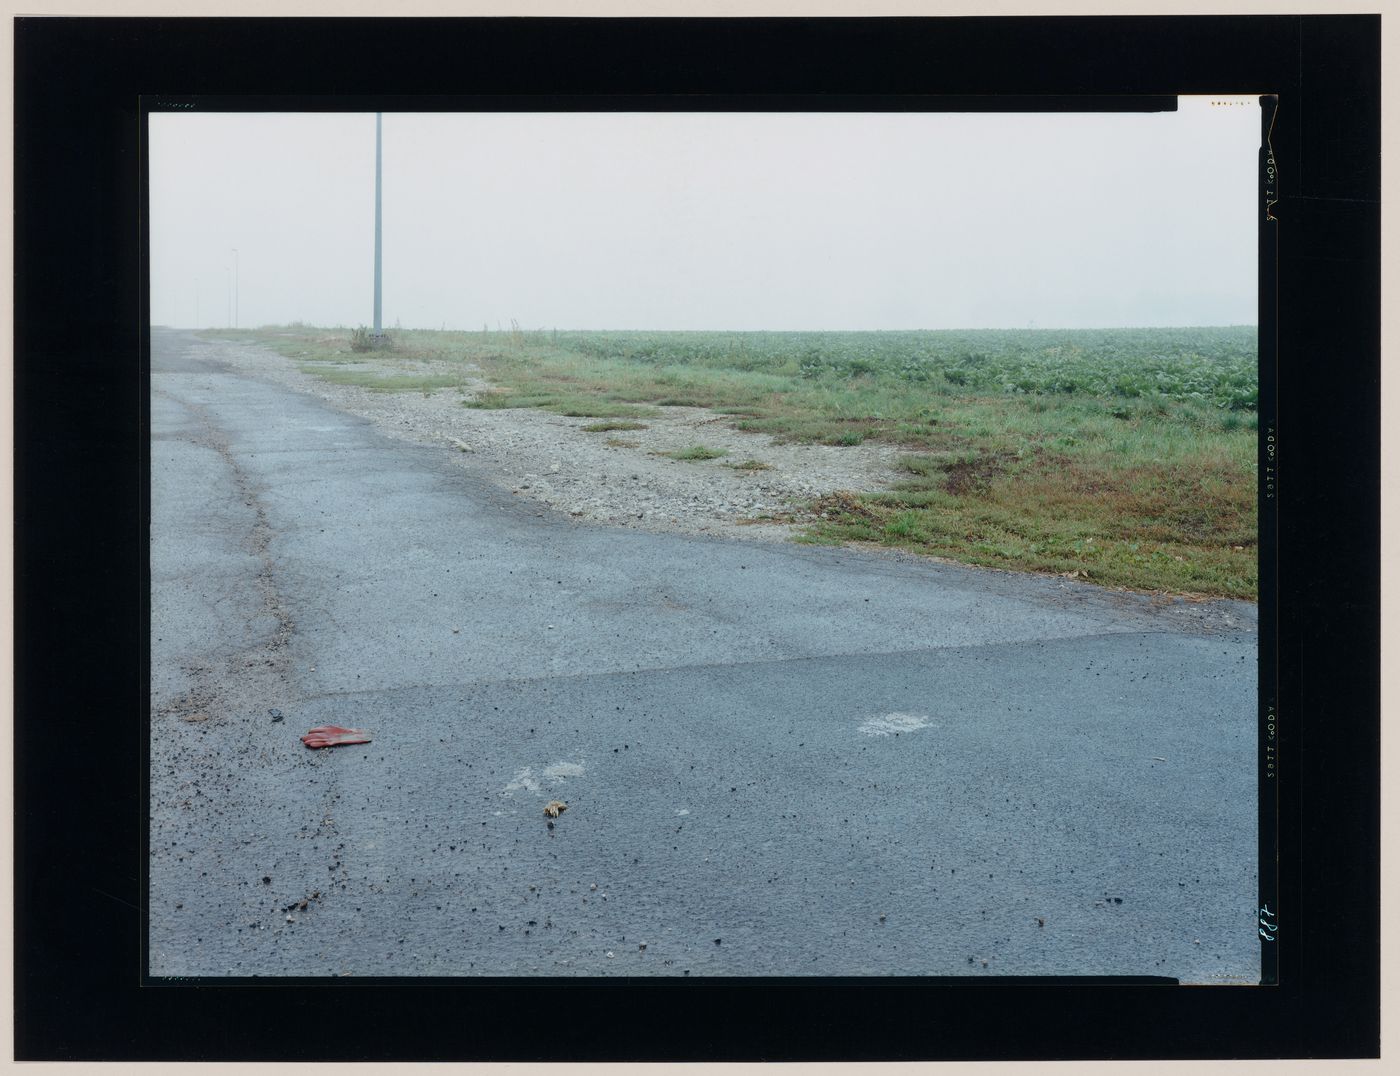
(364, 339)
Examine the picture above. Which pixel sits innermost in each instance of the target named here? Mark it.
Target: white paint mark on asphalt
(682, 810)
(524, 779)
(552, 774)
(889, 724)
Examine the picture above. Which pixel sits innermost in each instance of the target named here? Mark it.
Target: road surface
(777, 759)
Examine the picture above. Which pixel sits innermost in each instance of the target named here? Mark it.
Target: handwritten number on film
(1268, 924)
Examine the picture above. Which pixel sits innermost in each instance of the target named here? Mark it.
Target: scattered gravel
(548, 458)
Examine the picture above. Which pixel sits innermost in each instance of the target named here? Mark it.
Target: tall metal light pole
(228, 295)
(378, 242)
(235, 286)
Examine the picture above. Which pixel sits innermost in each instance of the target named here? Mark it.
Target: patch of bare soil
(976, 474)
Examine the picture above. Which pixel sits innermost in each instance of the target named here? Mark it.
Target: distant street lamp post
(378, 247)
(235, 286)
(228, 295)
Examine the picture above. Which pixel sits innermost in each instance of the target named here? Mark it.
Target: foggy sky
(709, 220)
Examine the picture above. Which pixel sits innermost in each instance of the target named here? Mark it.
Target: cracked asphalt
(776, 759)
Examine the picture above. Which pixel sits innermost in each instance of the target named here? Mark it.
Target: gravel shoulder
(549, 459)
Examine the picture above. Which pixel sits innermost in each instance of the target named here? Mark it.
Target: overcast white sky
(709, 220)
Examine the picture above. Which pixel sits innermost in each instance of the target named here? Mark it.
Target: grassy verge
(382, 382)
(411, 363)
(1123, 456)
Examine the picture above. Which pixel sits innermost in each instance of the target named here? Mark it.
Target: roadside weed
(697, 452)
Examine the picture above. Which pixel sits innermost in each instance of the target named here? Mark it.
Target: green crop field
(1125, 456)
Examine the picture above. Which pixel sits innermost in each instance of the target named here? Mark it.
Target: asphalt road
(777, 759)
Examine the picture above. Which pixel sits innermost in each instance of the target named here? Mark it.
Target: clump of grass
(697, 452)
(620, 442)
(750, 465)
(613, 424)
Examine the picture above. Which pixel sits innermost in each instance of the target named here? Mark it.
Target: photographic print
(705, 543)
